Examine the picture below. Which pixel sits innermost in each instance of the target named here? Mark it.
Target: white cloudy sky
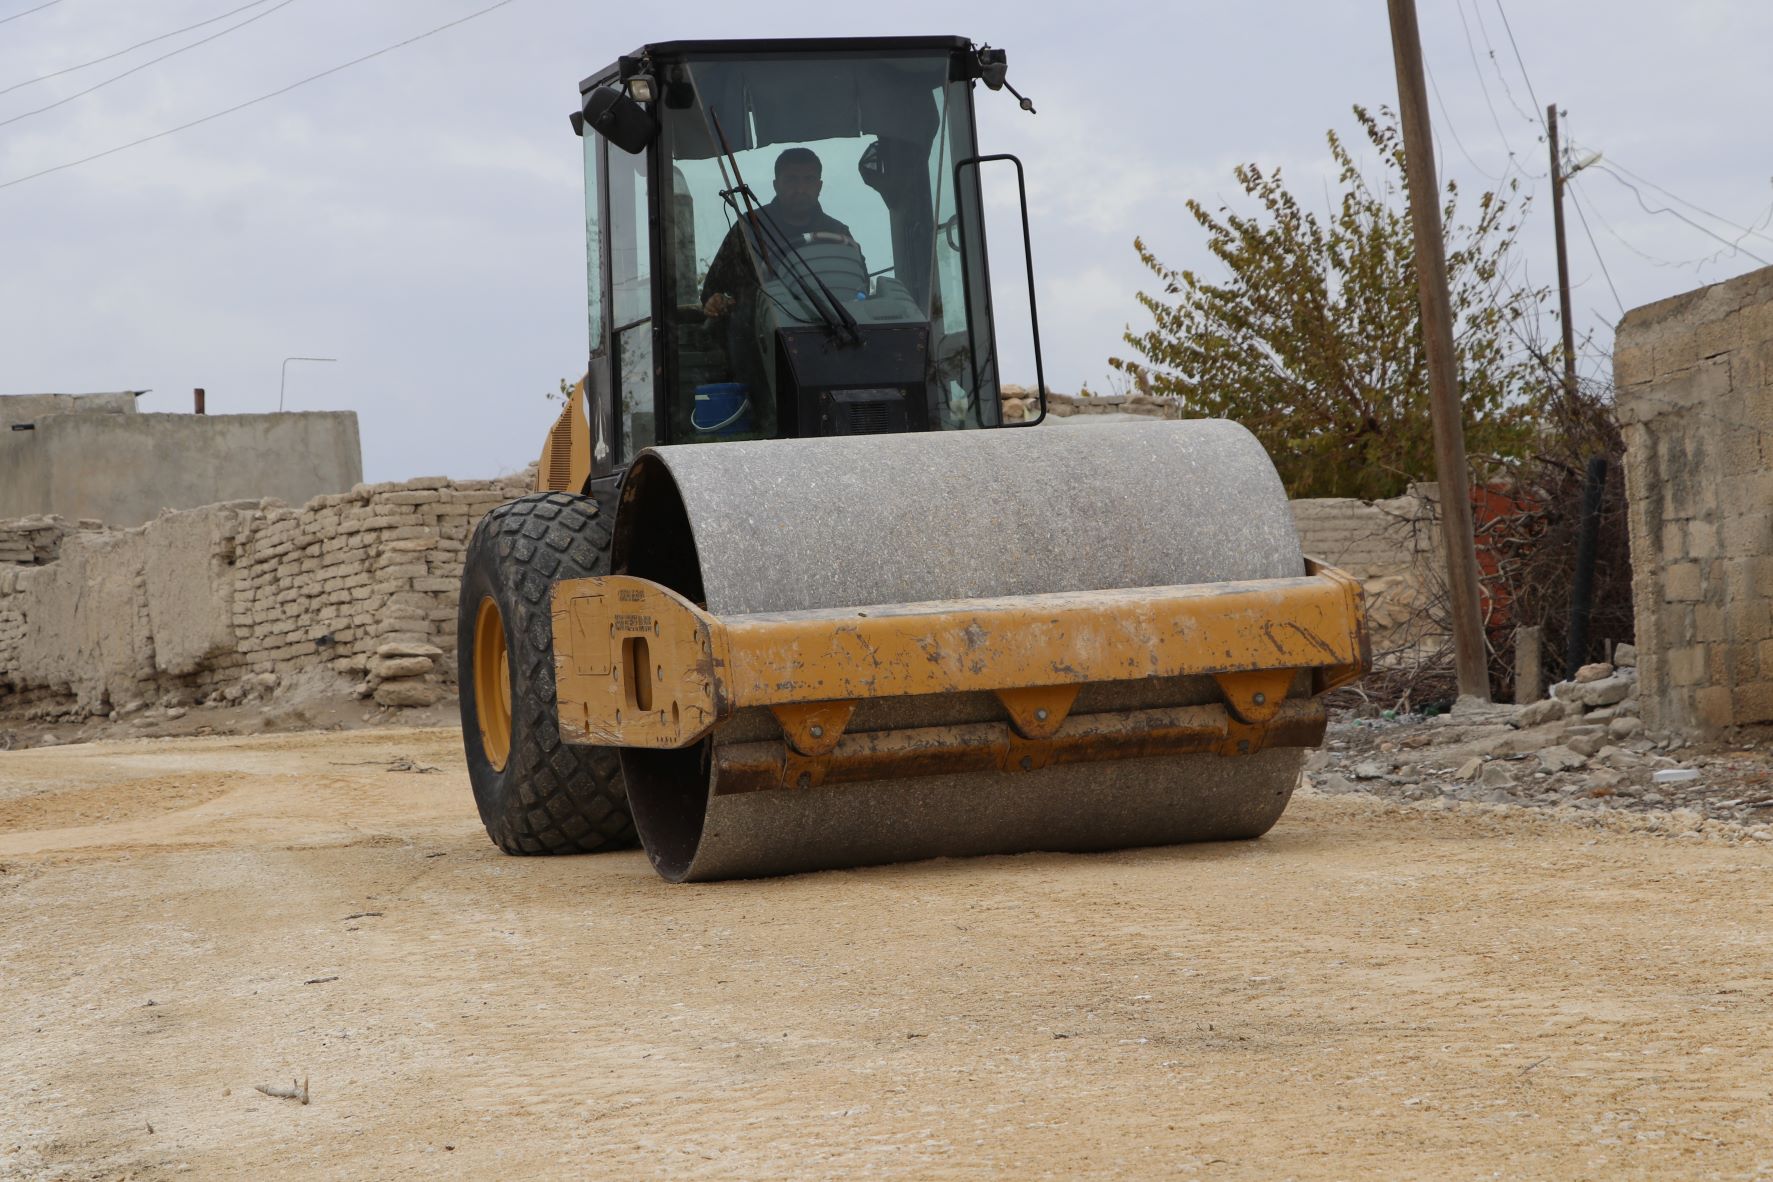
(418, 216)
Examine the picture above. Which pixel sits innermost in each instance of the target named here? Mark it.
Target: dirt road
(1372, 991)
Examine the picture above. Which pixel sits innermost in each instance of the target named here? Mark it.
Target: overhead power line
(1490, 49)
(1525, 77)
(1454, 131)
(1581, 197)
(29, 11)
(1589, 234)
(255, 101)
(1675, 213)
(1471, 48)
(1683, 201)
(130, 49)
(1694, 264)
(259, 16)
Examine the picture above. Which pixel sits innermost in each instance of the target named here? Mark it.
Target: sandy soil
(1373, 991)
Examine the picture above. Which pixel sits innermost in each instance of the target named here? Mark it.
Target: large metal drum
(745, 528)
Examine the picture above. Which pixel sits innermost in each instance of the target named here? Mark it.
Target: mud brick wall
(32, 541)
(240, 598)
(1694, 376)
(356, 593)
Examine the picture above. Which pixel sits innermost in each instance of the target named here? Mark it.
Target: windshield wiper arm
(837, 318)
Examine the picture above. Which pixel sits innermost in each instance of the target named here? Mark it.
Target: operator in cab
(794, 213)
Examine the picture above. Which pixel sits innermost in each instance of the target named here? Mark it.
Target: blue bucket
(722, 408)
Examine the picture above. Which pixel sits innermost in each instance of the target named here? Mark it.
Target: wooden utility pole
(1557, 221)
(1451, 469)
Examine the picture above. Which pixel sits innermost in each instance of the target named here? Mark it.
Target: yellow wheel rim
(492, 684)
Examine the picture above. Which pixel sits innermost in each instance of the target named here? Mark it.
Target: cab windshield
(816, 192)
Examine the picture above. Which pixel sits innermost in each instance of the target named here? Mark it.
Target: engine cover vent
(864, 412)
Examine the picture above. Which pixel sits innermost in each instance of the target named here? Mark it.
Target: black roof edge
(778, 45)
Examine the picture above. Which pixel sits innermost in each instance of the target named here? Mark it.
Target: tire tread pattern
(552, 797)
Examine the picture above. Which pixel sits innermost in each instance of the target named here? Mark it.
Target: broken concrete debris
(1557, 753)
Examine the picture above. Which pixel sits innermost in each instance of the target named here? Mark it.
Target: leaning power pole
(1451, 469)
(1557, 222)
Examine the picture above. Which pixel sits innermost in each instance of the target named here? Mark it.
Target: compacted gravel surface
(1380, 988)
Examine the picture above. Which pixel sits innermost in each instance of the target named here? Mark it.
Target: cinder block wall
(1372, 539)
(1695, 391)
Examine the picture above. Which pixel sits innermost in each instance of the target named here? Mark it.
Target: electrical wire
(1454, 131)
(29, 11)
(1538, 107)
(1735, 247)
(1698, 209)
(1490, 49)
(131, 49)
(255, 101)
(259, 16)
(1694, 264)
(1578, 196)
(1471, 48)
(1583, 218)
(1514, 162)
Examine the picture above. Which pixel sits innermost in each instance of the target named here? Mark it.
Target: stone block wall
(1021, 402)
(1694, 376)
(231, 599)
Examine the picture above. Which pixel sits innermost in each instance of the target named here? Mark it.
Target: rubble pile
(1585, 747)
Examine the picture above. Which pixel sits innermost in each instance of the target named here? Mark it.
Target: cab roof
(810, 46)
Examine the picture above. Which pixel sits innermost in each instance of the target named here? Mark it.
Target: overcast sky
(418, 216)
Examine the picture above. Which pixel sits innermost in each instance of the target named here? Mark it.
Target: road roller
(792, 591)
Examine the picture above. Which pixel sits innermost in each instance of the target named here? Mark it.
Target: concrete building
(1694, 375)
(95, 456)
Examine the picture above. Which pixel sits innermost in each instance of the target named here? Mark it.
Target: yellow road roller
(791, 592)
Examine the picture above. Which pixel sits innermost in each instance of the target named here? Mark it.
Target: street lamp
(284, 377)
(1587, 159)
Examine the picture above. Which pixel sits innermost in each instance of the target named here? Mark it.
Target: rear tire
(536, 794)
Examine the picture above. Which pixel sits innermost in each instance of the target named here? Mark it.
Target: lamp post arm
(283, 377)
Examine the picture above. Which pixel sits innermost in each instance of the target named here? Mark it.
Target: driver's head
(798, 181)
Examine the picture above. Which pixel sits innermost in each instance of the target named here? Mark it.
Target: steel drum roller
(782, 526)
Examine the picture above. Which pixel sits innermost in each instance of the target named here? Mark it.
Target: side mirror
(1001, 295)
(619, 119)
(993, 66)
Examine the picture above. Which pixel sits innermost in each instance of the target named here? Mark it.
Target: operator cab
(784, 238)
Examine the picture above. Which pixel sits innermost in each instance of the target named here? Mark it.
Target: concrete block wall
(1371, 539)
(233, 598)
(1694, 376)
(126, 468)
(1394, 548)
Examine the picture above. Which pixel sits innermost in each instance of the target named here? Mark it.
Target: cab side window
(631, 300)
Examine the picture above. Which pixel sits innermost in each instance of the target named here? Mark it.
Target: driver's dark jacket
(731, 272)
